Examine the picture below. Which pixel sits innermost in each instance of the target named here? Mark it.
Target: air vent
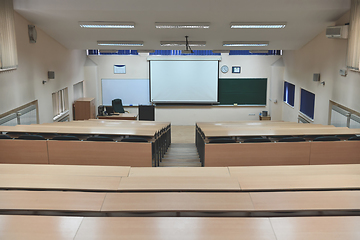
(340, 32)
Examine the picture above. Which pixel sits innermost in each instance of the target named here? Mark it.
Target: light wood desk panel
(298, 177)
(51, 200)
(135, 154)
(48, 169)
(179, 172)
(177, 202)
(179, 183)
(298, 201)
(63, 182)
(23, 151)
(151, 228)
(38, 227)
(257, 154)
(335, 152)
(316, 228)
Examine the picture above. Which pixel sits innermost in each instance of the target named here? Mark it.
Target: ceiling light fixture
(187, 46)
(108, 51)
(121, 43)
(101, 24)
(258, 25)
(145, 51)
(220, 51)
(245, 44)
(187, 25)
(182, 43)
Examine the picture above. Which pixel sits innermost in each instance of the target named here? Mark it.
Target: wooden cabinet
(85, 109)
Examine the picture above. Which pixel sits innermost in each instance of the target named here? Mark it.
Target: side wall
(327, 57)
(24, 85)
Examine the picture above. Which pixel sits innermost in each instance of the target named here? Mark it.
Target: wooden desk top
(314, 200)
(177, 202)
(152, 228)
(63, 182)
(120, 116)
(179, 183)
(315, 228)
(179, 172)
(38, 227)
(108, 127)
(51, 200)
(298, 177)
(76, 170)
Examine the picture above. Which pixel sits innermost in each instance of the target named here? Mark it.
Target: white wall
(137, 67)
(327, 57)
(24, 85)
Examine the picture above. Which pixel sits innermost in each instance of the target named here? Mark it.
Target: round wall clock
(224, 69)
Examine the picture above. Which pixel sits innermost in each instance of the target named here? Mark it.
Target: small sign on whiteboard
(119, 69)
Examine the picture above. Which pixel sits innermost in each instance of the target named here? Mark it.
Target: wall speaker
(51, 75)
(316, 77)
(32, 33)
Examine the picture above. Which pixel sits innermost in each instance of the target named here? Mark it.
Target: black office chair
(256, 140)
(326, 139)
(100, 138)
(66, 138)
(222, 140)
(4, 136)
(292, 139)
(31, 137)
(134, 139)
(117, 106)
(355, 138)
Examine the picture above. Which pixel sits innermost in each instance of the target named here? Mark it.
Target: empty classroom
(254, 127)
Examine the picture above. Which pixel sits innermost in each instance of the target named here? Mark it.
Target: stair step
(177, 164)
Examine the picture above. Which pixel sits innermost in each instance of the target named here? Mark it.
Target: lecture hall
(160, 119)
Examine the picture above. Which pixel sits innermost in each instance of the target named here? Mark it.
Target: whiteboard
(132, 92)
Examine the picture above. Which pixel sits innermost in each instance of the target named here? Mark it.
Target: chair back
(100, 138)
(326, 139)
(134, 139)
(292, 139)
(354, 138)
(31, 137)
(222, 140)
(256, 140)
(117, 106)
(66, 138)
(4, 136)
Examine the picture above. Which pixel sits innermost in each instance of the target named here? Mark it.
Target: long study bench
(123, 149)
(242, 153)
(78, 228)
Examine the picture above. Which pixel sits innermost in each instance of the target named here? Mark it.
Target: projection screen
(184, 81)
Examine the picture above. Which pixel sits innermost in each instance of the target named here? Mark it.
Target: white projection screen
(178, 81)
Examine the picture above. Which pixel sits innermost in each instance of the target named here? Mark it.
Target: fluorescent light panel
(121, 43)
(245, 44)
(108, 51)
(101, 24)
(145, 51)
(182, 43)
(220, 51)
(187, 25)
(258, 25)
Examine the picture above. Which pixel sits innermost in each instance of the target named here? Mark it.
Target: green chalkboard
(242, 91)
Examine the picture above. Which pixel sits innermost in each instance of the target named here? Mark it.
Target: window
(289, 93)
(341, 116)
(8, 51)
(60, 104)
(307, 103)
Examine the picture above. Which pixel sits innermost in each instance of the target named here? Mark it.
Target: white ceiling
(305, 19)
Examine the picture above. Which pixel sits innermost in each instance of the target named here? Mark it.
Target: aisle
(182, 151)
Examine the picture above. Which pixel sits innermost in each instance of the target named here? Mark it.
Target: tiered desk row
(275, 152)
(122, 149)
(111, 202)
